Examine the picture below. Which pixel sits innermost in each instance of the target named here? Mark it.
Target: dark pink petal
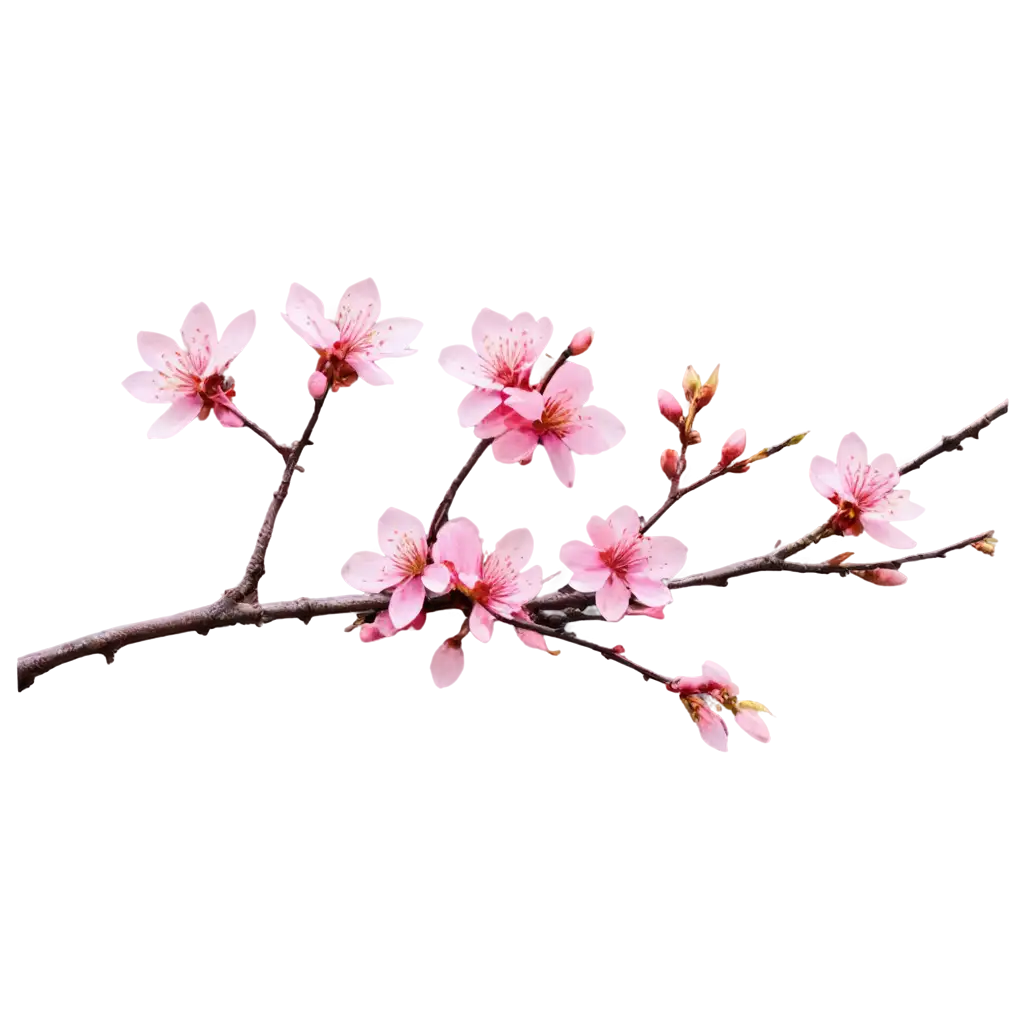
(236, 336)
(600, 532)
(365, 571)
(852, 452)
(156, 349)
(624, 522)
(824, 476)
(182, 412)
(304, 313)
(359, 307)
(447, 663)
(753, 724)
(667, 556)
(394, 526)
(497, 422)
(713, 730)
(651, 613)
(669, 407)
(227, 415)
(147, 387)
(599, 431)
(882, 577)
(395, 335)
(885, 533)
(517, 546)
(687, 684)
(464, 364)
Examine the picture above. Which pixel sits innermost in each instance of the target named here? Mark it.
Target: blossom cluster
(513, 410)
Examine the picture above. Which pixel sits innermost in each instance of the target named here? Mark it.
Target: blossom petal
(447, 664)
(515, 445)
(476, 405)
(182, 412)
(612, 599)
(529, 404)
(517, 546)
(394, 336)
(648, 591)
(601, 533)
(359, 308)
(481, 623)
(365, 571)
(406, 602)
(464, 364)
(713, 730)
(713, 671)
(886, 466)
(528, 636)
(395, 525)
(852, 451)
(587, 581)
(147, 386)
(235, 337)
(536, 333)
(437, 578)
(368, 370)
(495, 423)
(561, 459)
(304, 313)
(488, 326)
(624, 522)
(199, 332)
(753, 724)
(227, 415)
(586, 439)
(581, 557)
(458, 542)
(901, 508)
(668, 554)
(528, 586)
(576, 377)
(824, 476)
(156, 349)
(885, 533)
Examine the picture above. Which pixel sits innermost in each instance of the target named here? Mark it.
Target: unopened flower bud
(669, 407)
(882, 577)
(581, 341)
(699, 391)
(317, 384)
(619, 649)
(987, 545)
(670, 463)
(734, 447)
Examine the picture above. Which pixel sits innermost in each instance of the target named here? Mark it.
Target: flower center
(560, 416)
(628, 555)
(357, 333)
(408, 557)
(506, 362)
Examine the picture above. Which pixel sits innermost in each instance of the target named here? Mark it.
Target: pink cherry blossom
(505, 351)
(704, 696)
(622, 562)
(714, 676)
(733, 448)
(496, 581)
(403, 568)
(864, 493)
(560, 421)
(190, 375)
(350, 344)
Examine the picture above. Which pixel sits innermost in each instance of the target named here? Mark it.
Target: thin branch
(282, 449)
(676, 492)
(224, 612)
(247, 586)
(440, 517)
(841, 568)
(954, 443)
(570, 638)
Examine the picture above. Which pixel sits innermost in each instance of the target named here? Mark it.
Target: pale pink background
(218, 862)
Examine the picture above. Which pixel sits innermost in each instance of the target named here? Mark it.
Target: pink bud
(882, 577)
(316, 383)
(448, 661)
(619, 649)
(581, 341)
(669, 407)
(733, 447)
(670, 462)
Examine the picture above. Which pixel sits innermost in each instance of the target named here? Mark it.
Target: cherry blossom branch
(676, 492)
(579, 344)
(231, 609)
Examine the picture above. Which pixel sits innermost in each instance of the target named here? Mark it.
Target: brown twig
(282, 449)
(676, 492)
(570, 638)
(954, 443)
(841, 568)
(247, 586)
